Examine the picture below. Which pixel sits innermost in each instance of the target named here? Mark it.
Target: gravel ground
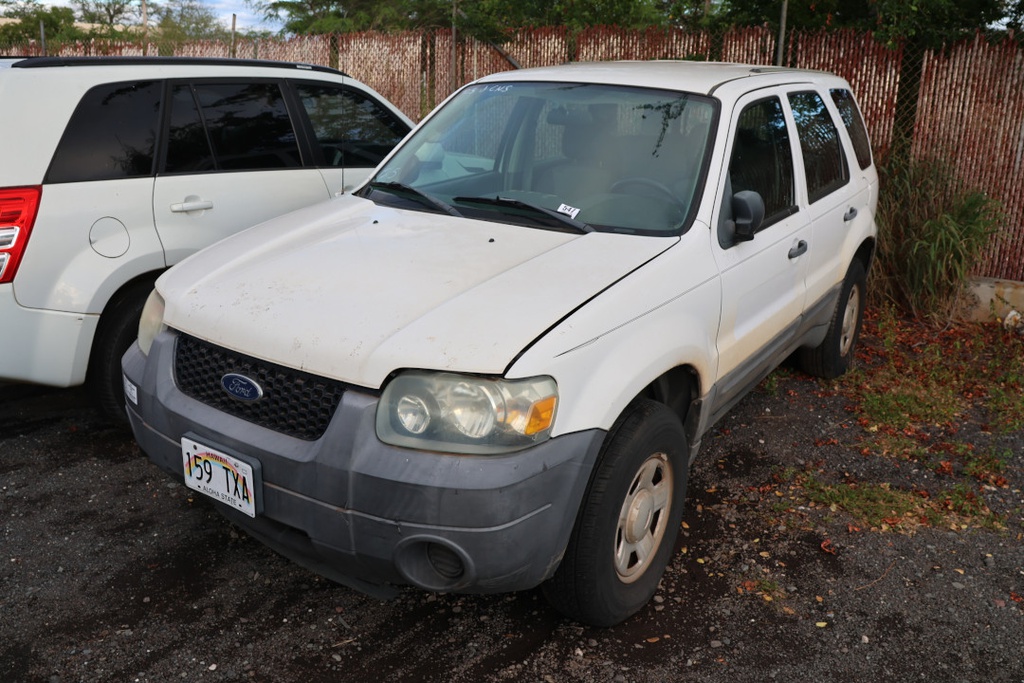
(109, 571)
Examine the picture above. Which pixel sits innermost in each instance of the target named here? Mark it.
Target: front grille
(294, 403)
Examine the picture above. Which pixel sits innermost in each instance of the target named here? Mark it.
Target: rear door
(835, 199)
(232, 158)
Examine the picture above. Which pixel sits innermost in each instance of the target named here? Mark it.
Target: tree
(184, 20)
(108, 13)
(804, 14)
(926, 23)
(932, 23)
(573, 14)
(58, 22)
(1015, 15)
(335, 16)
(481, 18)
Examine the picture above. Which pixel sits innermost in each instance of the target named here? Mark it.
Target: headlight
(465, 414)
(151, 322)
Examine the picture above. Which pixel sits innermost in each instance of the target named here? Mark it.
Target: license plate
(220, 476)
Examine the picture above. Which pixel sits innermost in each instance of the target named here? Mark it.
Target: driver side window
(351, 129)
(762, 159)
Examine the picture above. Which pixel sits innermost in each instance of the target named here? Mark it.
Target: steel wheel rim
(849, 328)
(643, 518)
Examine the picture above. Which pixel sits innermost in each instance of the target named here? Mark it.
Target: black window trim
(310, 155)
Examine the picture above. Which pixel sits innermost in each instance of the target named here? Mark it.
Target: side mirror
(748, 214)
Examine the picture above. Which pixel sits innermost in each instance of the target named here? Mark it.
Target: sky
(246, 19)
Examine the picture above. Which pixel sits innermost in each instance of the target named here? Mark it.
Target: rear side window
(850, 114)
(350, 128)
(111, 135)
(230, 127)
(762, 159)
(188, 148)
(824, 161)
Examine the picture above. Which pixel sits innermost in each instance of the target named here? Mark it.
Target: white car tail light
(18, 206)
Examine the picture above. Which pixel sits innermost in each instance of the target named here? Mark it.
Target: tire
(629, 520)
(118, 329)
(834, 355)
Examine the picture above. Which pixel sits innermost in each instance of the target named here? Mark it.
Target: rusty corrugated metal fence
(968, 99)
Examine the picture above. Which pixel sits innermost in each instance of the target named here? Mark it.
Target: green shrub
(933, 229)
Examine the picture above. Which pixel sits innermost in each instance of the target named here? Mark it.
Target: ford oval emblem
(241, 387)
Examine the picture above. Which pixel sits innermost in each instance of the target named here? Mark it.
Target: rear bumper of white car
(41, 346)
(370, 515)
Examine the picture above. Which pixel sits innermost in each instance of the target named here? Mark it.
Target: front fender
(663, 316)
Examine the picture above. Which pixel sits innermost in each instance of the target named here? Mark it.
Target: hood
(354, 291)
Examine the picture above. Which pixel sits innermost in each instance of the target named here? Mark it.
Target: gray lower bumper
(367, 514)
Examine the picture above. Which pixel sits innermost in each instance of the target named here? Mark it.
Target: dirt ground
(110, 571)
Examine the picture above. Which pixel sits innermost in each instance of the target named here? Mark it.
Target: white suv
(490, 367)
(114, 169)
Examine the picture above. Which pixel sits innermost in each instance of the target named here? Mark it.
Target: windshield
(610, 158)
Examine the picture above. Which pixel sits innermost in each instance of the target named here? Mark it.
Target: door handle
(851, 213)
(798, 250)
(191, 204)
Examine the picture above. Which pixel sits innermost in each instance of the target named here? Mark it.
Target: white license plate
(219, 476)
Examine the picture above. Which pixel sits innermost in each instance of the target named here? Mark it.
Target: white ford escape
(490, 368)
(115, 168)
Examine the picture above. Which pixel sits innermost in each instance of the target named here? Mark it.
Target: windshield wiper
(562, 218)
(419, 195)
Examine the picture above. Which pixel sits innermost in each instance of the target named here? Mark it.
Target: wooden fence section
(971, 112)
(970, 103)
(604, 43)
(748, 45)
(391, 64)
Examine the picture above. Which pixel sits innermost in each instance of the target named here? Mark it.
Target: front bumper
(370, 515)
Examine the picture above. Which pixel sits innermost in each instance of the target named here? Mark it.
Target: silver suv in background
(117, 168)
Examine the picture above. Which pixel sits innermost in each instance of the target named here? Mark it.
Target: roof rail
(38, 62)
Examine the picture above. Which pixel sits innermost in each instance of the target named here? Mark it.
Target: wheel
(662, 189)
(118, 329)
(834, 355)
(628, 522)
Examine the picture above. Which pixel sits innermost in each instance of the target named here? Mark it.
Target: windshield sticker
(495, 87)
(569, 211)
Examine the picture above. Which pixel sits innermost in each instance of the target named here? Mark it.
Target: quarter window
(111, 135)
(762, 159)
(350, 128)
(824, 161)
(850, 114)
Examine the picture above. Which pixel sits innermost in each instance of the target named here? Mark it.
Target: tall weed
(933, 229)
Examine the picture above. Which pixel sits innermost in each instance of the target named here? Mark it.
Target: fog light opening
(444, 561)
